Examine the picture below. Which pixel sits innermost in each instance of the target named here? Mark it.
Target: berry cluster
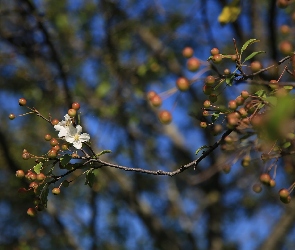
(63, 148)
(182, 84)
(258, 123)
(261, 123)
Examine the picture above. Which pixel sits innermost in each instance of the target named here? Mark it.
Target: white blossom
(75, 137)
(63, 126)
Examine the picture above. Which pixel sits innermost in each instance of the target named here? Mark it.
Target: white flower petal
(63, 132)
(77, 144)
(67, 117)
(73, 135)
(58, 126)
(84, 137)
(69, 139)
(79, 129)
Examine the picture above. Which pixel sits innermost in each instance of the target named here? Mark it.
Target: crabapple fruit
(193, 64)
(165, 117)
(75, 105)
(56, 191)
(22, 102)
(187, 52)
(182, 84)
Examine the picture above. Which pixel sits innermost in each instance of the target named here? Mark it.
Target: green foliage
(90, 178)
(37, 168)
(65, 159)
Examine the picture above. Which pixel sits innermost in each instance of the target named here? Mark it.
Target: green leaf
(260, 93)
(44, 195)
(201, 148)
(65, 159)
(90, 178)
(271, 99)
(103, 89)
(289, 88)
(246, 44)
(230, 12)
(107, 151)
(253, 54)
(229, 80)
(287, 144)
(215, 116)
(279, 116)
(38, 167)
(42, 191)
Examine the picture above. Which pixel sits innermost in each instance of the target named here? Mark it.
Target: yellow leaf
(230, 12)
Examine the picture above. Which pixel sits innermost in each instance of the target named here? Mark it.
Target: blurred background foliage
(106, 55)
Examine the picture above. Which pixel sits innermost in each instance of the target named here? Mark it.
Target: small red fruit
(205, 113)
(234, 58)
(193, 64)
(22, 102)
(20, 173)
(257, 188)
(214, 51)
(52, 153)
(217, 58)
(156, 101)
(75, 105)
(56, 191)
(64, 147)
(32, 211)
(53, 142)
(285, 29)
(272, 183)
(283, 3)
(207, 104)
(26, 156)
(182, 84)
(265, 178)
(226, 168)
(151, 94)
(165, 117)
(54, 122)
(243, 113)
(245, 94)
(255, 66)
(72, 112)
(56, 147)
(47, 137)
(226, 72)
(187, 52)
(33, 185)
(232, 105)
(203, 124)
(284, 193)
(240, 100)
(41, 177)
(273, 84)
(210, 80)
(217, 129)
(11, 116)
(286, 48)
(31, 176)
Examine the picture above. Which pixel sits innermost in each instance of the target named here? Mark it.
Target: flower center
(77, 137)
